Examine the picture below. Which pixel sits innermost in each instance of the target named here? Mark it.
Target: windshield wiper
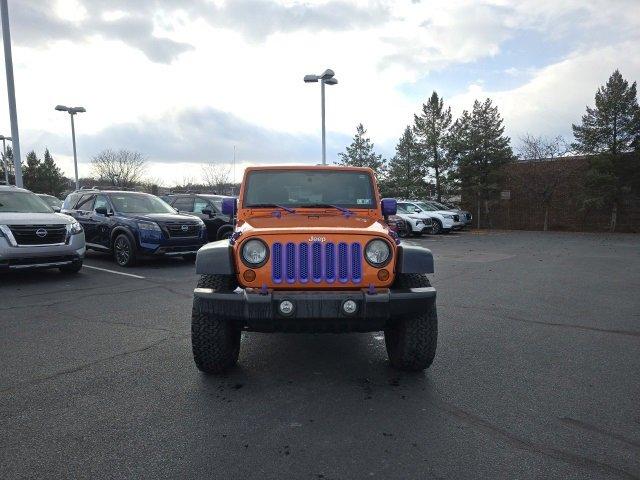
(271, 205)
(328, 205)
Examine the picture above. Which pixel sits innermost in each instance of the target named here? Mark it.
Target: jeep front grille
(318, 262)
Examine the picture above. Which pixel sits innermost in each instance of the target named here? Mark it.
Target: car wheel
(215, 341)
(403, 233)
(411, 340)
(190, 257)
(124, 251)
(225, 234)
(75, 267)
(436, 228)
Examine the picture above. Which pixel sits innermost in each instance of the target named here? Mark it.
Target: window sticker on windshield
(363, 201)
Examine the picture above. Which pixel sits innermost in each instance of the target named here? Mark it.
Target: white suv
(417, 222)
(443, 220)
(33, 236)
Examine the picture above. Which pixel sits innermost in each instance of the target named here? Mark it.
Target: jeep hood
(313, 222)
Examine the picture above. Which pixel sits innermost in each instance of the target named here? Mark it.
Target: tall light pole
(4, 158)
(72, 111)
(327, 77)
(11, 91)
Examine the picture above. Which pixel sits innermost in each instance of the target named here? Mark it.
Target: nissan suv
(133, 224)
(208, 208)
(33, 236)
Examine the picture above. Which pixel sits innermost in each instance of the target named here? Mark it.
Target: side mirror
(229, 206)
(56, 209)
(389, 206)
(207, 211)
(102, 211)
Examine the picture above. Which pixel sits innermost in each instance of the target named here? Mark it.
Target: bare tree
(122, 168)
(216, 175)
(544, 171)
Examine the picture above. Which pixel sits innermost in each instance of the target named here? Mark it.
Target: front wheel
(124, 251)
(189, 257)
(411, 340)
(75, 267)
(436, 227)
(215, 341)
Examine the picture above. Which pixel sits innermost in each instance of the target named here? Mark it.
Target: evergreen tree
(51, 179)
(609, 132)
(406, 169)
(31, 172)
(613, 126)
(431, 128)
(360, 154)
(481, 149)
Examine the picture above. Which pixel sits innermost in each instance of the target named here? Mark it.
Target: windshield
(51, 201)
(426, 206)
(139, 203)
(308, 188)
(22, 202)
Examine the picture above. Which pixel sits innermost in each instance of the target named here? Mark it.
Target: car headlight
(74, 228)
(149, 226)
(254, 252)
(377, 253)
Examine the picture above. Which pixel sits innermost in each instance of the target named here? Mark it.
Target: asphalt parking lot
(537, 375)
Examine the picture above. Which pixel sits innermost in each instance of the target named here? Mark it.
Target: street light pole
(75, 156)
(4, 158)
(11, 91)
(326, 78)
(72, 111)
(324, 135)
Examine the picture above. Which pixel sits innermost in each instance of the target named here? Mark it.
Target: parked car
(208, 208)
(443, 221)
(32, 235)
(312, 253)
(417, 222)
(134, 224)
(54, 202)
(465, 217)
(399, 225)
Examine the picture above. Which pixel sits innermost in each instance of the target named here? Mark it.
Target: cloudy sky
(183, 81)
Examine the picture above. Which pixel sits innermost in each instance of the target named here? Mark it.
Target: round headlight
(254, 252)
(377, 252)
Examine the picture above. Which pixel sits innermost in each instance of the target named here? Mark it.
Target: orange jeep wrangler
(311, 252)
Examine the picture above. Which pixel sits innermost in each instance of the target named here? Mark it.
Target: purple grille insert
(330, 262)
(276, 262)
(316, 270)
(343, 264)
(356, 263)
(291, 262)
(304, 262)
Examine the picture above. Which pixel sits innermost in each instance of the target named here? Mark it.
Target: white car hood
(10, 218)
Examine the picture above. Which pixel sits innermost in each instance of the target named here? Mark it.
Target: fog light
(383, 275)
(349, 307)
(249, 275)
(286, 307)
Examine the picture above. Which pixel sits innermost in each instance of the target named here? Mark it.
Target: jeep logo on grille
(184, 228)
(317, 239)
(41, 232)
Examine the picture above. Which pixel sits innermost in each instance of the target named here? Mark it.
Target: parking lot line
(115, 271)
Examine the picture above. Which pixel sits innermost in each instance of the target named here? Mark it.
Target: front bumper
(314, 311)
(42, 256)
(172, 247)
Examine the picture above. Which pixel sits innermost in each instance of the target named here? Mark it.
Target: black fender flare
(414, 259)
(215, 258)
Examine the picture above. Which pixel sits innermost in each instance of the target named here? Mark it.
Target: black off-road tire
(215, 341)
(124, 250)
(411, 341)
(75, 267)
